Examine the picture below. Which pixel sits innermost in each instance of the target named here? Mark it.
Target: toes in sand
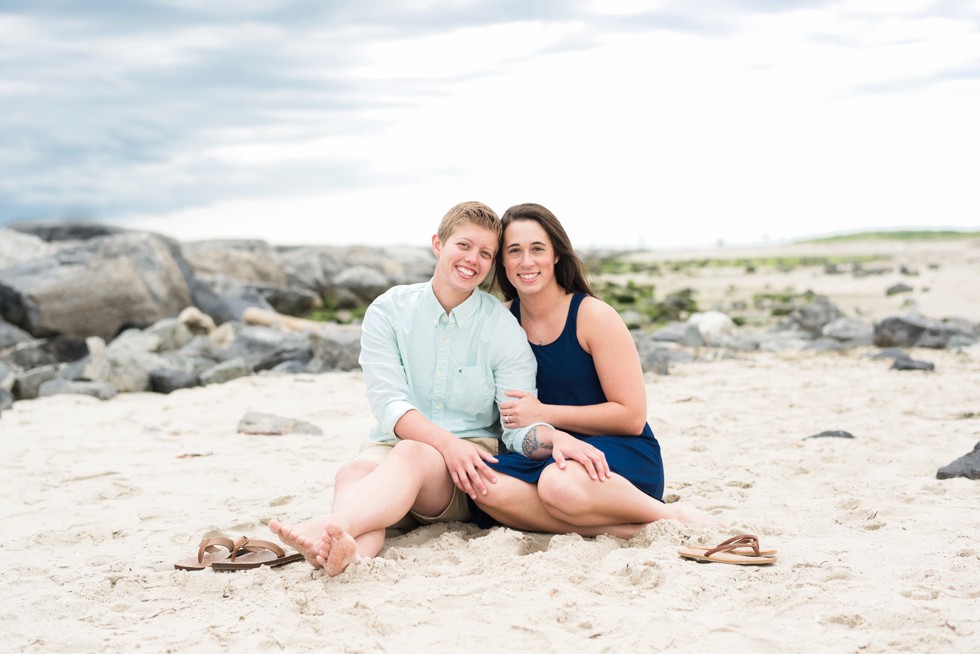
(302, 537)
(339, 549)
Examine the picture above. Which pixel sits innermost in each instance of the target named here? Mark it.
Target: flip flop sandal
(743, 550)
(210, 552)
(738, 550)
(254, 553)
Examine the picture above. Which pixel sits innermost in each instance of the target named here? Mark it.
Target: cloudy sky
(650, 123)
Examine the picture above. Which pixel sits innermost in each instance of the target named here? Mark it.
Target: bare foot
(339, 550)
(304, 537)
(684, 512)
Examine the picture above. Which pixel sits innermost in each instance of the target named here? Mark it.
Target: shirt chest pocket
(472, 391)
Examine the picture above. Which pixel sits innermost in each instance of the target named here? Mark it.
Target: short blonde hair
(469, 212)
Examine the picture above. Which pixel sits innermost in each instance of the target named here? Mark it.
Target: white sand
(875, 553)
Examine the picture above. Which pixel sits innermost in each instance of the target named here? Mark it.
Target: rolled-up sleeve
(515, 369)
(385, 376)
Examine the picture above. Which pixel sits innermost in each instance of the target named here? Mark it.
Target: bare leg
(516, 504)
(412, 477)
(305, 537)
(571, 496)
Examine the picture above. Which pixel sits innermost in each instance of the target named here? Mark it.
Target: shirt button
(441, 373)
(438, 405)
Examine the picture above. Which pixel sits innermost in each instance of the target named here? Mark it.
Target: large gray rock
(11, 335)
(348, 276)
(967, 466)
(714, 326)
(225, 372)
(96, 287)
(310, 268)
(224, 299)
(16, 247)
(28, 382)
(97, 389)
(335, 347)
(7, 377)
(849, 330)
(916, 331)
(812, 317)
(168, 381)
(38, 352)
(245, 261)
(66, 230)
(264, 347)
(126, 362)
(267, 424)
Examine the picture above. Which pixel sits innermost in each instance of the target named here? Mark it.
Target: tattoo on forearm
(531, 442)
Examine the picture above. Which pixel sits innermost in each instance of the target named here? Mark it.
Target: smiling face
(528, 256)
(463, 261)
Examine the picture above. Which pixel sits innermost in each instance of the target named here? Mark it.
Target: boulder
(126, 362)
(168, 380)
(100, 390)
(849, 330)
(65, 230)
(265, 347)
(812, 317)
(11, 335)
(225, 372)
(43, 352)
(915, 331)
(967, 466)
(96, 287)
(7, 377)
(908, 363)
(243, 261)
(225, 300)
(335, 348)
(715, 327)
(267, 424)
(16, 247)
(28, 383)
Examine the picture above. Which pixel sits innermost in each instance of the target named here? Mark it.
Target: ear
(436, 245)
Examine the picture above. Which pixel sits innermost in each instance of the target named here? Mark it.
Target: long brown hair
(570, 272)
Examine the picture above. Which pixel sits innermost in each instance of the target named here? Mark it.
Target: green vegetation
(640, 298)
(898, 235)
(332, 312)
(782, 303)
(616, 266)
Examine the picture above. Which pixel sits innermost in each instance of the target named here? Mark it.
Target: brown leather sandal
(254, 553)
(738, 550)
(210, 552)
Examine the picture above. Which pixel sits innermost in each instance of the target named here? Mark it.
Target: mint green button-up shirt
(452, 368)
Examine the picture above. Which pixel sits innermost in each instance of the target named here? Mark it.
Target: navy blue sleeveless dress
(567, 376)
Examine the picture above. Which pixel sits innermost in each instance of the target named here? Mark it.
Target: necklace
(544, 329)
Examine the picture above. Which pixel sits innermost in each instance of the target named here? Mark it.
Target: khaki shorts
(459, 507)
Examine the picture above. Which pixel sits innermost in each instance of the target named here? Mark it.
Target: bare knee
(414, 449)
(353, 471)
(503, 495)
(565, 491)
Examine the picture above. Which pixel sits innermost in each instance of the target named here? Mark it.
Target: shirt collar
(460, 315)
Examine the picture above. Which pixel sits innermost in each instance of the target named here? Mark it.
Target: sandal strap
(238, 547)
(212, 544)
(256, 545)
(742, 540)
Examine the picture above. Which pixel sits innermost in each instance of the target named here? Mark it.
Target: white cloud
(789, 123)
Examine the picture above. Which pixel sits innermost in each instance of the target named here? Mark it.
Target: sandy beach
(875, 554)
